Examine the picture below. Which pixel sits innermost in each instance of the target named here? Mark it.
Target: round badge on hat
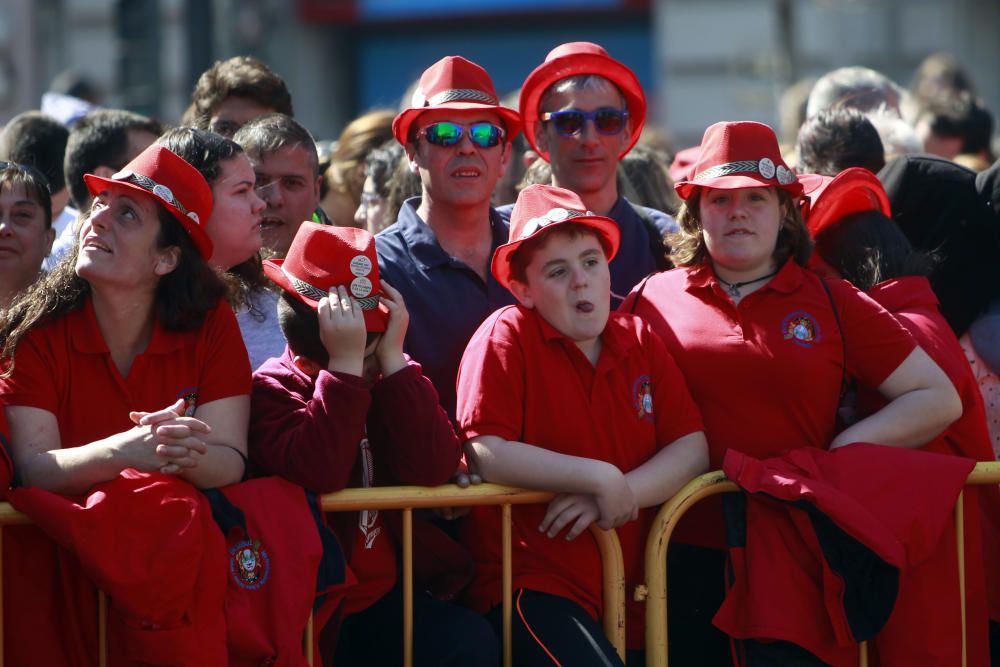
(361, 266)
(361, 287)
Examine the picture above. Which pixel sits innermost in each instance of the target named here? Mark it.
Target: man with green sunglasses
(457, 138)
(583, 111)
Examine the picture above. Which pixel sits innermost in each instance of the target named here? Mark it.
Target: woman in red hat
(766, 345)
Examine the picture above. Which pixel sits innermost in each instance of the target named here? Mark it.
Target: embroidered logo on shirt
(642, 397)
(190, 396)
(249, 564)
(801, 328)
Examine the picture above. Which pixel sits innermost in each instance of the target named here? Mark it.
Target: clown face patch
(249, 564)
(190, 396)
(801, 328)
(642, 397)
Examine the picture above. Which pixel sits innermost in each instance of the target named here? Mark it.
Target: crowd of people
(203, 328)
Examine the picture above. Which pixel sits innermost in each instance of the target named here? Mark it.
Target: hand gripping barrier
(407, 499)
(654, 591)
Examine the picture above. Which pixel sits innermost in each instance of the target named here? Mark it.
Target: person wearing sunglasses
(583, 111)
(457, 139)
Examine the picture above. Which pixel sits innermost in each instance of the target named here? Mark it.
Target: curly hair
(242, 76)
(688, 246)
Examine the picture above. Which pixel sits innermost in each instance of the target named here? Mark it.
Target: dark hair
(33, 183)
(521, 258)
(182, 300)
(271, 132)
(402, 185)
(940, 73)
(300, 325)
(101, 138)
(380, 164)
(868, 248)
(644, 179)
(39, 140)
(688, 245)
(835, 139)
(960, 115)
(242, 76)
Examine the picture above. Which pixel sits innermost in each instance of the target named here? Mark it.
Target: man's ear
(306, 365)
(167, 260)
(522, 292)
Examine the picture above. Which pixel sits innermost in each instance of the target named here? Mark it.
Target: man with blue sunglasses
(457, 138)
(583, 111)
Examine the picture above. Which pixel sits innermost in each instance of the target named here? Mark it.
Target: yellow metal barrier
(407, 499)
(654, 591)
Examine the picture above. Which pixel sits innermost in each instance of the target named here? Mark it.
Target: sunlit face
(463, 174)
(289, 185)
(118, 245)
(568, 283)
(587, 162)
(741, 228)
(234, 225)
(24, 239)
(233, 113)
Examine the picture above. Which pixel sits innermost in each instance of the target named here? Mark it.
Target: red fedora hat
(540, 208)
(454, 83)
(851, 191)
(741, 154)
(573, 59)
(322, 257)
(173, 183)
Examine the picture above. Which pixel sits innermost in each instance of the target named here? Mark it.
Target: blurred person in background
(957, 126)
(344, 177)
(39, 140)
(234, 91)
(835, 139)
(26, 232)
(380, 165)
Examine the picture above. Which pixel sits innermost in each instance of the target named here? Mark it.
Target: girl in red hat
(126, 355)
(766, 347)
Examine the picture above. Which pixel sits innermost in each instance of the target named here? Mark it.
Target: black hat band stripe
(315, 293)
(729, 168)
(463, 94)
(159, 191)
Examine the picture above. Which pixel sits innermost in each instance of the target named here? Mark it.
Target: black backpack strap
(844, 386)
(657, 247)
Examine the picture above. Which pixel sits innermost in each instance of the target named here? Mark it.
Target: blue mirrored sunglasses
(484, 135)
(569, 123)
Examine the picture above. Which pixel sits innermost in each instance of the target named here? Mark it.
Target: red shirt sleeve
(224, 363)
(491, 383)
(874, 341)
(38, 372)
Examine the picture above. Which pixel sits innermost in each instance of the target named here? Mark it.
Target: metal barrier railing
(654, 591)
(407, 499)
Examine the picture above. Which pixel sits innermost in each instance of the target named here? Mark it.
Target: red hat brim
(201, 240)
(574, 64)
(401, 124)
(853, 190)
(606, 227)
(375, 319)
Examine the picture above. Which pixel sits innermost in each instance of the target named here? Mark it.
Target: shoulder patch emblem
(642, 397)
(801, 328)
(249, 564)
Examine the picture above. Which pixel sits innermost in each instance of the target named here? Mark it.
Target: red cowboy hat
(851, 191)
(741, 154)
(321, 257)
(572, 59)
(540, 208)
(454, 83)
(173, 183)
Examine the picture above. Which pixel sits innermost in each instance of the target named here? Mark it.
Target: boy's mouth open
(584, 307)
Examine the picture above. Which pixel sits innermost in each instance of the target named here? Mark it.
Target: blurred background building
(701, 60)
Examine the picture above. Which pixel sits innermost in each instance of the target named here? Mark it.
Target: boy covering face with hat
(583, 111)
(457, 138)
(345, 407)
(633, 435)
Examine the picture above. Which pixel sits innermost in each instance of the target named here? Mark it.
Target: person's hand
(615, 500)
(390, 348)
(576, 510)
(463, 478)
(177, 440)
(342, 331)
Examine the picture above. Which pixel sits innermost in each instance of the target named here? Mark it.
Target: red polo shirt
(520, 379)
(767, 373)
(64, 366)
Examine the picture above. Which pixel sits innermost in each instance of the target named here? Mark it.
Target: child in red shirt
(345, 407)
(559, 394)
